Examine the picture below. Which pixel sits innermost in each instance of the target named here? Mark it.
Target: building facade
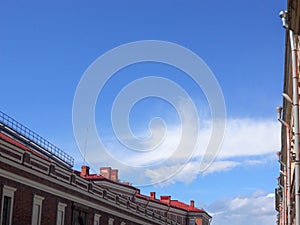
(287, 201)
(164, 207)
(39, 186)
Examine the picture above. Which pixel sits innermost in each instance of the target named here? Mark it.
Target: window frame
(9, 192)
(37, 200)
(78, 212)
(192, 221)
(111, 221)
(61, 208)
(97, 218)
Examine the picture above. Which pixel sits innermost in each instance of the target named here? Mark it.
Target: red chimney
(105, 172)
(192, 203)
(165, 199)
(152, 195)
(114, 175)
(85, 171)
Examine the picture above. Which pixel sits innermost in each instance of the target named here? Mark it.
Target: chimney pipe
(192, 204)
(114, 175)
(166, 199)
(106, 172)
(152, 195)
(85, 171)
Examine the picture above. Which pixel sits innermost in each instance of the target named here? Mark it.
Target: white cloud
(257, 208)
(173, 173)
(192, 169)
(248, 137)
(244, 138)
(218, 166)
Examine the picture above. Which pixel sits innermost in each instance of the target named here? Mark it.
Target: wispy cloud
(257, 208)
(244, 142)
(243, 137)
(187, 174)
(249, 137)
(192, 169)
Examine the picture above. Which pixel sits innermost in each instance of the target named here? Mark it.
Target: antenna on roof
(85, 144)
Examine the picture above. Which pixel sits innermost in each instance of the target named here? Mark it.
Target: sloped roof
(22, 146)
(182, 205)
(98, 177)
(174, 203)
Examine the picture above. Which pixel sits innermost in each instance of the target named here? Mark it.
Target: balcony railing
(50, 148)
(66, 177)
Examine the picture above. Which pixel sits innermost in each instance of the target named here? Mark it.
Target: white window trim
(97, 219)
(38, 200)
(111, 221)
(61, 208)
(9, 192)
(192, 221)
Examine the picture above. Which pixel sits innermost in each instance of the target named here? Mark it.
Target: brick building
(39, 186)
(173, 210)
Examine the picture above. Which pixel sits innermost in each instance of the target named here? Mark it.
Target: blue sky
(45, 48)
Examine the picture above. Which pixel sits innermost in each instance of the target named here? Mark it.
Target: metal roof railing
(36, 139)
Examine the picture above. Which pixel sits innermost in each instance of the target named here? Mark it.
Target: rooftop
(15, 133)
(28, 137)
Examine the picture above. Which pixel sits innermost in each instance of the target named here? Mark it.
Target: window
(79, 217)
(37, 210)
(7, 205)
(174, 218)
(60, 218)
(180, 219)
(192, 221)
(97, 219)
(169, 215)
(111, 221)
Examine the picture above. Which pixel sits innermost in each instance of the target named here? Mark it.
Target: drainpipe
(280, 216)
(294, 52)
(284, 194)
(288, 176)
(283, 201)
(282, 208)
(288, 161)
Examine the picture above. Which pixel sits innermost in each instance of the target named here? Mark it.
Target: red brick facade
(41, 189)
